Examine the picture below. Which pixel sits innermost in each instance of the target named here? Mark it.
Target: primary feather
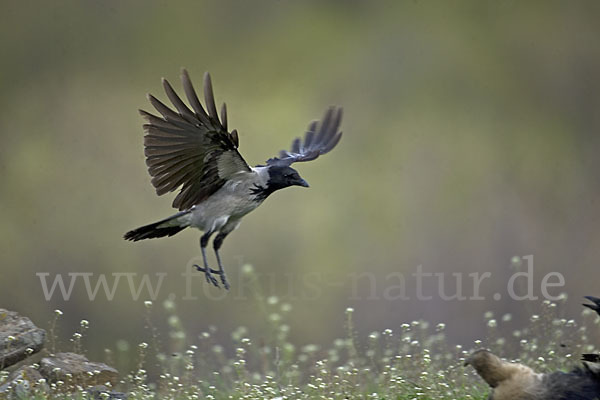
(320, 138)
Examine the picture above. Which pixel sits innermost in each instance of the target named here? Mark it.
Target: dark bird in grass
(193, 149)
(515, 381)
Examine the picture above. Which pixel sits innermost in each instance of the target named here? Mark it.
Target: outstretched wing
(190, 149)
(320, 138)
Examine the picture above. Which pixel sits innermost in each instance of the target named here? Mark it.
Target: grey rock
(74, 369)
(23, 382)
(19, 338)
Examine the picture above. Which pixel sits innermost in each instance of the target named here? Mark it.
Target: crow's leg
(216, 246)
(206, 269)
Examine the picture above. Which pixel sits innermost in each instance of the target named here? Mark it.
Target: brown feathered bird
(515, 381)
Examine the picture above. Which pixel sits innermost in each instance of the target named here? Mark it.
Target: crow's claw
(208, 275)
(224, 279)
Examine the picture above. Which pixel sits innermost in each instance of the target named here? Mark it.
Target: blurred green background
(470, 136)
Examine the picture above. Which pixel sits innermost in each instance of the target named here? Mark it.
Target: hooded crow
(192, 149)
(515, 381)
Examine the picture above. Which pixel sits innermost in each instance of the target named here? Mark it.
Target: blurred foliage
(471, 136)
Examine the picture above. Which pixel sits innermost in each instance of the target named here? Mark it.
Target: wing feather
(209, 98)
(184, 111)
(168, 114)
(192, 97)
(224, 115)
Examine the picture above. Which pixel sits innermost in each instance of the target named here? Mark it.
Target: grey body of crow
(220, 212)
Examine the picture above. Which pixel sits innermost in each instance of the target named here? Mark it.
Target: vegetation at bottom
(410, 361)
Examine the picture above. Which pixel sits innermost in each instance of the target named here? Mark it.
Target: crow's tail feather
(152, 231)
(166, 227)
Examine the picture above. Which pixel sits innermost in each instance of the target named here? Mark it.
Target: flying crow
(515, 381)
(193, 149)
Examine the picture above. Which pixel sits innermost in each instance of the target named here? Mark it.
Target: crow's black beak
(302, 183)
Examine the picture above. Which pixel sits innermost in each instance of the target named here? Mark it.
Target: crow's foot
(208, 274)
(223, 279)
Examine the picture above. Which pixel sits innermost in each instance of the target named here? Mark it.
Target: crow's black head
(282, 176)
(279, 177)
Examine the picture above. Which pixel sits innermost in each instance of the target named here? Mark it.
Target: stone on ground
(19, 338)
(75, 370)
